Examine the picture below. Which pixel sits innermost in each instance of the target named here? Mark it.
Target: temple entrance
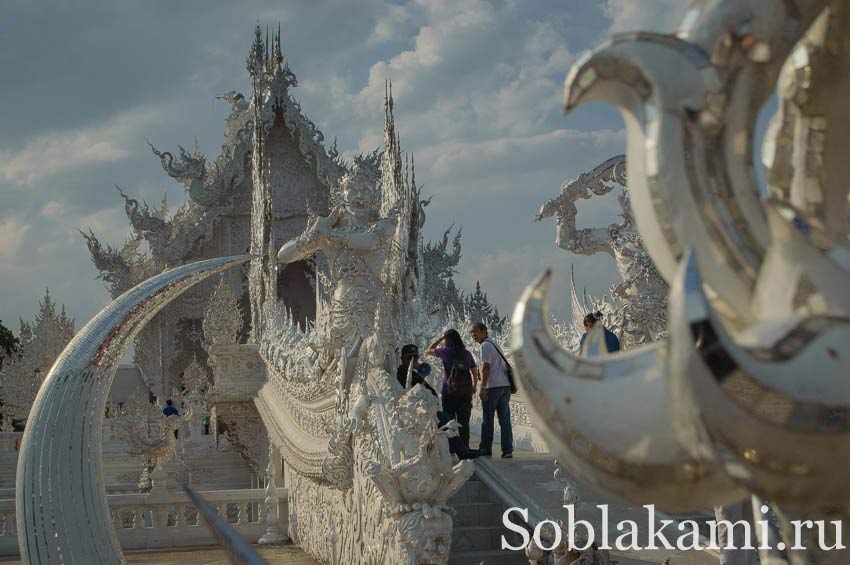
(294, 288)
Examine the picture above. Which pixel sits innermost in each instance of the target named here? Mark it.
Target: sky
(477, 87)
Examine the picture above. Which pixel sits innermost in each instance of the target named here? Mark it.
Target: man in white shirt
(495, 394)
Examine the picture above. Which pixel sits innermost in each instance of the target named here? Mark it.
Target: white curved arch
(802, 247)
(61, 504)
(689, 102)
(776, 411)
(607, 417)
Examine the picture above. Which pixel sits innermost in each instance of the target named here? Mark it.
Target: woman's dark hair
(454, 343)
(592, 318)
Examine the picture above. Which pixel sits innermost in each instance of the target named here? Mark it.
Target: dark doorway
(294, 288)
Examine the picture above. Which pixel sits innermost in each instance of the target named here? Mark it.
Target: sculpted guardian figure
(638, 307)
(356, 242)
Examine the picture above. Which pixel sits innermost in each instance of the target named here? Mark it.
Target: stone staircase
(478, 529)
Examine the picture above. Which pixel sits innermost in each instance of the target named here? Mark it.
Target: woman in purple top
(459, 407)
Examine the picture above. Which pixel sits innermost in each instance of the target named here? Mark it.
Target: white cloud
(110, 224)
(50, 154)
(505, 273)
(389, 24)
(493, 156)
(644, 15)
(449, 28)
(53, 209)
(12, 233)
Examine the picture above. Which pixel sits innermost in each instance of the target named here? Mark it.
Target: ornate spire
(386, 100)
(392, 179)
(255, 57)
(223, 319)
(195, 378)
(268, 60)
(277, 50)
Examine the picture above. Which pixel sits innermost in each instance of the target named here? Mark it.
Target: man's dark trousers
(459, 408)
(498, 402)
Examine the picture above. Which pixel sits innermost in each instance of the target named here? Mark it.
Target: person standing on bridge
(495, 395)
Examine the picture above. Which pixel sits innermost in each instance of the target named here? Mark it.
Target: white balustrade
(168, 519)
(10, 441)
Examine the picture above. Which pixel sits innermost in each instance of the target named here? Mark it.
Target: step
(473, 491)
(482, 538)
(478, 514)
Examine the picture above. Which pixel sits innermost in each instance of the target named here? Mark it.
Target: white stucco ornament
(755, 362)
(61, 504)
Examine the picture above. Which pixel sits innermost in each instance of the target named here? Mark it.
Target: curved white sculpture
(690, 102)
(61, 500)
(632, 451)
(757, 350)
(776, 410)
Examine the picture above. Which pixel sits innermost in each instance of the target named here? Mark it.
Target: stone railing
(10, 441)
(169, 519)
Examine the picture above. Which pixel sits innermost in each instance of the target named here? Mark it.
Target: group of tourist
(494, 383)
(461, 380)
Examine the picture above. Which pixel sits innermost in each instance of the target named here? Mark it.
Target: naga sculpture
(755, 364)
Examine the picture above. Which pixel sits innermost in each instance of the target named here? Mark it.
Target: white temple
(271, 309)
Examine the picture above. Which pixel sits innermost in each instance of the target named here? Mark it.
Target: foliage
(9, 344)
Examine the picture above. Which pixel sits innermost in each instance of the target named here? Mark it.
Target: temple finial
(277, 49)
(255, 57)
(268, 51)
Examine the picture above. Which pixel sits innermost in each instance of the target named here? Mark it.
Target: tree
(41, 342)
(477, 308)
(8, 343)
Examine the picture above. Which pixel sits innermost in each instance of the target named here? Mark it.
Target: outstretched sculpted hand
(325, 224)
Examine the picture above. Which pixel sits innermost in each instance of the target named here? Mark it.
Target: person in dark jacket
(410, 354)
(612, 343)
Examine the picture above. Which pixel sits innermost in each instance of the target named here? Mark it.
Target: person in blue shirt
(169, 410)
(612, 343)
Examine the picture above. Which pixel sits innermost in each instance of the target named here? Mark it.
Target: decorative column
(272, 503)
(195, 381)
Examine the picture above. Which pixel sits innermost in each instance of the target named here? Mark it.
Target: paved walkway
(529, 480)
(281, 554)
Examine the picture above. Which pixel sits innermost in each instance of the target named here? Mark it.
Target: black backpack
(460, 378)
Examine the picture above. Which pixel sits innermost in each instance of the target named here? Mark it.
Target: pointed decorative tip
(386, 96)
(693, 280)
